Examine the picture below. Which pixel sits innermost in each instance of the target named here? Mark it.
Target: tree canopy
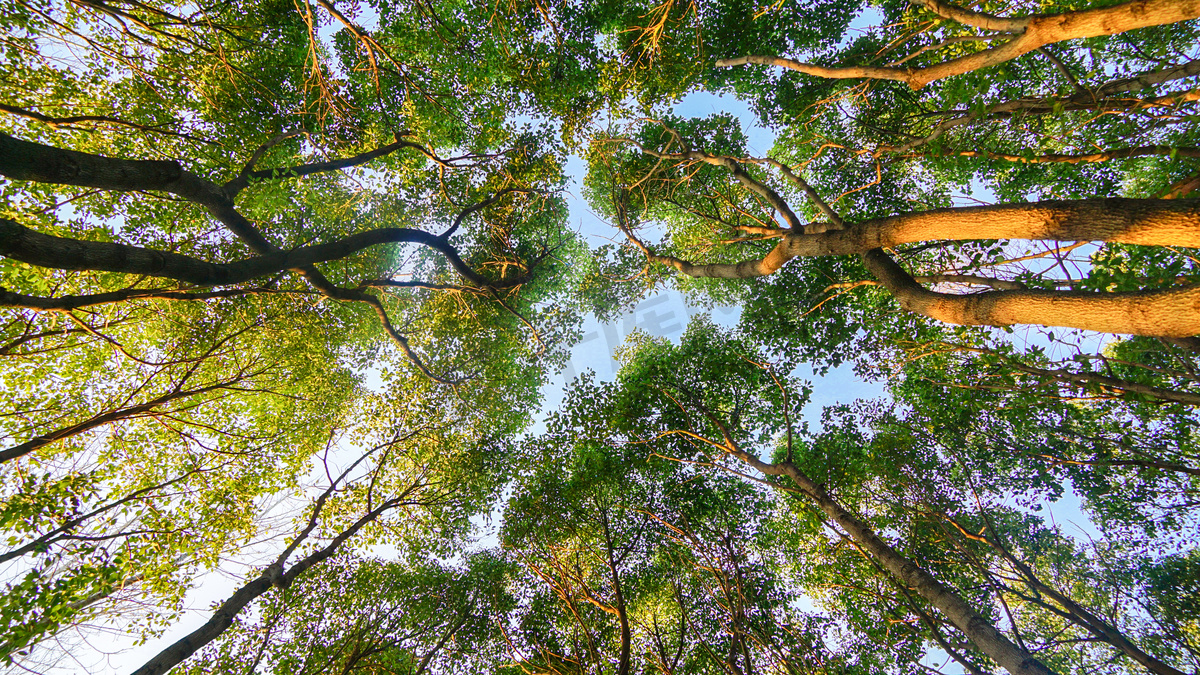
(283, 286)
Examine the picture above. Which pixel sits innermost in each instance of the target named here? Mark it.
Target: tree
(1028, 33)
(355, 615)
(280, 283)
(158, 391)
(1160, 313)
(877, 149)
(635, 563)
(661, 401)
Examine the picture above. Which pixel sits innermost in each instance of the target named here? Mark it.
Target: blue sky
(666, 312)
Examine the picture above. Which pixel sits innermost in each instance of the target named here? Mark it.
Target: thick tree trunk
(1172, 312)
(1044, 30)
(1152, 222)
(974, 625)
(221, 620)
(23, 160)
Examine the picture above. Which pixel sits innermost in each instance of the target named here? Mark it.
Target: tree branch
(754, 185)
(1104, 156)
(70, 302)
(21, 243)
(22, 449)
(233, 187)
(1030, 34)
(73, 120)
(223, 617)
(974, 625)
(969, 17)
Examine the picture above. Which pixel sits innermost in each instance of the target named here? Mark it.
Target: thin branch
(73, 120)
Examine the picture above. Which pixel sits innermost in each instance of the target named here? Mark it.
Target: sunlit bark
(1030, 33)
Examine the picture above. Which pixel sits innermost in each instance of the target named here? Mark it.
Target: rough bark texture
(1172, 312)
(1168, 313)
(22, 160)
(747, 269)
(1154, 222)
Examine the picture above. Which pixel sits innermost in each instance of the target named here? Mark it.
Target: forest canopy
(284, 287)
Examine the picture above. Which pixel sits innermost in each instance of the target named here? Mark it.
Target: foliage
(345, 427)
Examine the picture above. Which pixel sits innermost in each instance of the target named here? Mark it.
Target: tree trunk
(1100, 628)
(1076, 612)
(1168, 313)
(974, 625)
(623, 661)
(223, 617)
(1151, 222)
(1171, 312)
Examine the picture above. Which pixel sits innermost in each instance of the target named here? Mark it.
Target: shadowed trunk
(21, 243)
